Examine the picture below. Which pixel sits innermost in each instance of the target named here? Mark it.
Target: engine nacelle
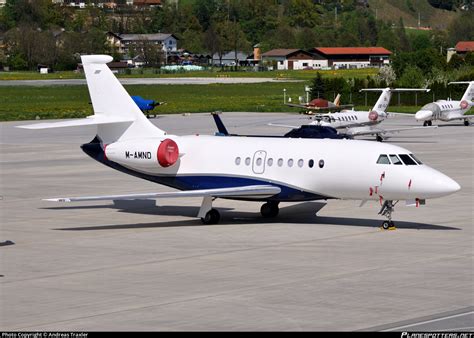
(148, 155)
(373, 115)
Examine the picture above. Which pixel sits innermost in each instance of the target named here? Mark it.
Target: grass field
(26, 103)
(215, 72)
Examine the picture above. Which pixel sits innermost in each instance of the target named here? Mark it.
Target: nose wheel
(466, 122)
(387, 208)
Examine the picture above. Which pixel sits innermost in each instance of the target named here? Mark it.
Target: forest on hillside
(41, 32)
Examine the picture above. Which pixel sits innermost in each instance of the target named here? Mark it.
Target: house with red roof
(283, 59)
(461, 49)
(353, 57)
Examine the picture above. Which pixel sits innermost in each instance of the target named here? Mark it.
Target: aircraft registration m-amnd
(270, 170)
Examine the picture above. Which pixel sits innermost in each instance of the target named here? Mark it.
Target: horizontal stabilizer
(395, 90)
(246, 191)
(89, 121)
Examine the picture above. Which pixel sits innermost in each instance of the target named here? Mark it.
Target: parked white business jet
(360, 123)
(270, 170)
(448, 110)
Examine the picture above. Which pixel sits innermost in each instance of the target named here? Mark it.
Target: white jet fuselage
(352, 119)
(305, 169)
(443, 110)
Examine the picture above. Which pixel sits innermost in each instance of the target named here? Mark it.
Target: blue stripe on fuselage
(198, 182)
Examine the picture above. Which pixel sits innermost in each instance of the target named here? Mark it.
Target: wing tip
(57, 199)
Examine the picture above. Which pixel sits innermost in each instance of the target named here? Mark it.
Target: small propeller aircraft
(321, 105)
(264, 169)
(448, 110)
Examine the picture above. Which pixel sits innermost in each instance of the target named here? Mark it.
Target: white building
(125, 42)
(228, 59)
(354, 57)
(296, 59)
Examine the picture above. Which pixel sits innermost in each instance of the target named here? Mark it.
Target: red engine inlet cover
(373, 115)
(168, 153)
(464, 104)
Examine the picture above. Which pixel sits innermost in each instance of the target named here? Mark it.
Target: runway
(146, 81)
(96, 266)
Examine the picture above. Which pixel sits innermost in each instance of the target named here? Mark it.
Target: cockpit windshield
(398, 159)
(433, 107)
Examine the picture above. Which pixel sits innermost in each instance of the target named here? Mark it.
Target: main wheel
(425, 123)
(269, 209)
(212, 217)
(379, 138)
(466, 123)
(429, 123)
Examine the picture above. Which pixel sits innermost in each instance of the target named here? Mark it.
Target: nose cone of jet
(430, 183)
(447, 185)
(423, 115)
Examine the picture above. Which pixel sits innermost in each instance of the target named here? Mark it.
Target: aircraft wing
(281, 125)
(245, 191)
(378, 131)
(322, 109)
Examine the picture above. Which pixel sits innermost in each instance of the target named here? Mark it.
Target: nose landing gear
(387, 208)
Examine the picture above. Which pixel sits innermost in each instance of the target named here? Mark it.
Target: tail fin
(384, 98)
(111, 100)
(337, 100)
(469, 93)
(116, 115)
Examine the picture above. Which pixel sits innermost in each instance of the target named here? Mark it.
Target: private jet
(448, 110)
(263, 169)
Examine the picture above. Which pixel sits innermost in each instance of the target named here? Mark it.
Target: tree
(387, 75)
(404, 43)
(318, 88)
(412, 77)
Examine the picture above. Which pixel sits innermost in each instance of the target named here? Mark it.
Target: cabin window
(383, 159)
(270, 162)
(311, 163)
(416, 159)
(407, 159)
(247, 161)
(237, 160)
(395, 160)
(259, 161)
(300, 163)
(280, 162)
(321, 163)
(290, 162)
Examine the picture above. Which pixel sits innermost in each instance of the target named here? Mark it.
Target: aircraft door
(258, 164)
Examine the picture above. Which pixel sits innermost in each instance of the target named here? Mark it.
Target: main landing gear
(466, 122)
(379, 138)
(427, 124)
(387, 208)
(269, 209)
(209, 215)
